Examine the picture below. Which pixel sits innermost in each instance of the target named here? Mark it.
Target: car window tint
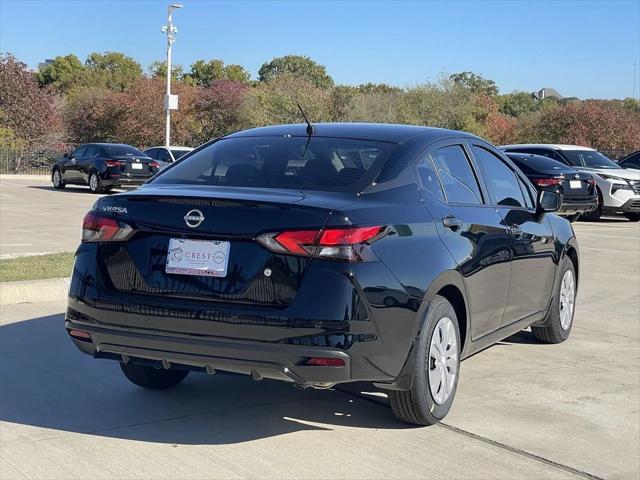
(526, 193)
(80, 151)
(314, 163)
(502, 181)
(456, 174)
(151, 153)
(163, 155)
(92, 152)
(429, 179)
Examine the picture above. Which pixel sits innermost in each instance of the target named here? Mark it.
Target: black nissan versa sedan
(578, 189)
(103, 166)
(324, 254)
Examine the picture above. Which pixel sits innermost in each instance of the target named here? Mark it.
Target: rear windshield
(537, 163)
(316, 163)
(122, 150)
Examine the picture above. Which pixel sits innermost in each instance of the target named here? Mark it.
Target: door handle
(515, 231)
(452, 222)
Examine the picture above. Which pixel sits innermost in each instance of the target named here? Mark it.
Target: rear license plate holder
(575, 184)
(136, 166)
(207, 258)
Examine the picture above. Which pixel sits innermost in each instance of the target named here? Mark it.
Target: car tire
(633, 217)
(95, 185)
(559, 320)
(595, 214)
(430, 398)
(56, 178)
(573, 218)
(151, 377)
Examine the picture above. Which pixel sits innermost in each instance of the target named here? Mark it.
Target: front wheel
(560, 316)
(634, 217)
(152, 378)
(436, 370)
(58, 182)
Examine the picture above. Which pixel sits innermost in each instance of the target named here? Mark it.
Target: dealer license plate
(575, 184)
(197, 257)
(136, 166)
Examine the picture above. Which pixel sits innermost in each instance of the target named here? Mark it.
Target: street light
(170, 101)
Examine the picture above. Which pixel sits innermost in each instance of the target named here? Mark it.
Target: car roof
(554, 146)
(383, 132)
(106, 144)
(174, 147)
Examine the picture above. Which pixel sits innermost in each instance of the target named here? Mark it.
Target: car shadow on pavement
(69, 189)
(523, 337)
(47, 383)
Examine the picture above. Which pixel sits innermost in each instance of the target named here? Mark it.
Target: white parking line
(607, 236)
(610, 251)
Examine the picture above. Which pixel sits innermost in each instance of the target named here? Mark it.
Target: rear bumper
(278, 362)
(113, 181)
(571, 206)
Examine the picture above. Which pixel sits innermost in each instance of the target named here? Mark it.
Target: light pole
(170, 101)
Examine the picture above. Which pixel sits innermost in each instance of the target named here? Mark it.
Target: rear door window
(163, 155)
(316, 163)
(457, 176)
(151, 153)
(500, 178)
(429, 178)
(79, 152)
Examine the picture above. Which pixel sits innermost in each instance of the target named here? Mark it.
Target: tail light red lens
(325, 362)
(547, 182)
(154, 164)
(114, 163)
(592, 181)
(337, 243)
(96, 228)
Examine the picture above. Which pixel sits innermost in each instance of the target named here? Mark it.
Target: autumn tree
(113, 70)
(474, 83)
(296, 66)
(204, 74)
(217, 109)
(63, 74)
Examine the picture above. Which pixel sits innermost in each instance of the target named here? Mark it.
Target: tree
(474, 83)
(63, 74)
(113, 70)
(217, 109)
(28, 113)
(517, 103)
(159, 70)
(204, 74)
(296, 66)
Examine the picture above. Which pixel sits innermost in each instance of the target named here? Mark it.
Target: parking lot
(523, 409)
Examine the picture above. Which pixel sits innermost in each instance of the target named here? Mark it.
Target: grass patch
(36, 267)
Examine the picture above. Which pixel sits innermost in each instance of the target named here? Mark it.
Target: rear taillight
(114, 163)
(591, 181)
(325, 362)
(154, 164)
(96, 228)
(547, 182)
(336, 243)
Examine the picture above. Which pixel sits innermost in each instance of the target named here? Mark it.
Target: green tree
(159, 70)
(204, 74)
(474, 83)
(63, 74)
(517, 103)
(113, 70)
(296, 66)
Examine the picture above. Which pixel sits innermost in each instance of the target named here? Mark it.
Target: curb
(34, 291)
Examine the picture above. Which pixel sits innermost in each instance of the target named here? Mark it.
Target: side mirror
(549, 201)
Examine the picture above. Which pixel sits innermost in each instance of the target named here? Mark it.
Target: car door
(70, 171)
(471, 229)
(531, 237)
(87, 163)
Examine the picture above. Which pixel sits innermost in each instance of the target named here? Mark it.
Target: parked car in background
(578, 189)
(632, 161)
(166, 155)
(618, 188)
(323, 255)
(103, 166)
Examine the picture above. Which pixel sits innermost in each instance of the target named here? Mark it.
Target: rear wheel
(95, 185)
(58, 183)
(153, 378)
(573, 218)
(594, 215)
(634, 217)
(560, 317)
(436, 370)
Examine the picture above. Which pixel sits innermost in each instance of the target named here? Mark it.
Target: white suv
(618, 188)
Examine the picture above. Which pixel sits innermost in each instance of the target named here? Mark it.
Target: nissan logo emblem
(193, 218)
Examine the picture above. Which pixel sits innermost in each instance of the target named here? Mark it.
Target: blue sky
(582, 48)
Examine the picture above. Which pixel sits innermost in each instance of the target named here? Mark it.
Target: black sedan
(324, 254)
(578, 189)
(103, 166)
